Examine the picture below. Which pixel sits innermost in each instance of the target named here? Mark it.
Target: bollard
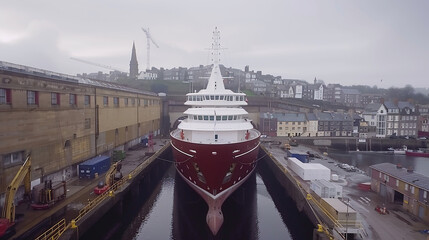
(129, 176)
(309, 197)
(73, 224)
(110, 193)
(319, 228)
(96, 175)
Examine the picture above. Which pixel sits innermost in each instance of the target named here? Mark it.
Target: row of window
(293, 123)
(216, 97)
(212, 118)
(386, 178)
(293, 128)
(33, 99)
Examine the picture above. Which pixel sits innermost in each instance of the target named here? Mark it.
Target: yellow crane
(110, 178)
(7, 220)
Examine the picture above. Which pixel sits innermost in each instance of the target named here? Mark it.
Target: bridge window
(206, 118)
(235, 117)
(200, 117)
(195, 117)
(224, 118)
(212, 97)
(211, 118)
(229, 117)
(198, 98)
(216, 97)
(221, 97)
(218, 118)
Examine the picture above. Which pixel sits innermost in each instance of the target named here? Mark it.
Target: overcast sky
(383, 42)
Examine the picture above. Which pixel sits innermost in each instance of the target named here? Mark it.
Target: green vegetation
(171, 87)
(249, 92)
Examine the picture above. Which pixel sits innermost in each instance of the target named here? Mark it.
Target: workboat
(216, 147)
(422, 152)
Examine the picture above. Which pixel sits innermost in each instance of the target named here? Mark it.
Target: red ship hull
(214, 171)
(417, 154)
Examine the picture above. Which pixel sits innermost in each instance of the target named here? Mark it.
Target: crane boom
(97, 64)
(149, 39)
(22, 175)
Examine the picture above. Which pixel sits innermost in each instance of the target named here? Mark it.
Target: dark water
(363, 160)
(259, 209)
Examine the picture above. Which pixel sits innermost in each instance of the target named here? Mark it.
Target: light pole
(347, 215)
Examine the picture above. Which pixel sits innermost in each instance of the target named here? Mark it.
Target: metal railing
(54, 232)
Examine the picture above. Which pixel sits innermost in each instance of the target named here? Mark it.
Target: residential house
(312, 125)
(408, 119)
(352, 97)
(392, 121)
(268, 124)
(375, 114)
(291, 124)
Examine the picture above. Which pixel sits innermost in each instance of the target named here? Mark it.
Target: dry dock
(70, 218)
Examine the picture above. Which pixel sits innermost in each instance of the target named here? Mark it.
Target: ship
(215, 147)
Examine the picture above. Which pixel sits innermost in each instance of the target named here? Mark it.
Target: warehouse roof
(400, 173)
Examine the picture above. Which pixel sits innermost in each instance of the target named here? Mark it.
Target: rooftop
(400, 173)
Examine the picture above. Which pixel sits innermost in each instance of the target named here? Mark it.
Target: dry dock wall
(286, 180)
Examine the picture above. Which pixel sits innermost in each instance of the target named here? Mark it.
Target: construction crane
(149, 39)
(97, 64)
(112, 175)
(7, 220)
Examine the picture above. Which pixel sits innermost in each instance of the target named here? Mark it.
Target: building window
(138, 101)
(397, 183)
(32, 98)
(406, 187)
(87, 123)
(5, 96)
(145, 103)
(425, 194)
(379, 175)
(412, 189)
(87, 100)
(106, 101)
(73, 99)
(116, 101)
(126, 101)
(13, 159)
(55, 99)
(133, 101)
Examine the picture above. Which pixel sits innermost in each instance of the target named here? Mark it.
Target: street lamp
(347, 215)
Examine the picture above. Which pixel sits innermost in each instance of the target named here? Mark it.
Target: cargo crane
(112, 175)
(149, 39)
(97, 64)
(7, 220)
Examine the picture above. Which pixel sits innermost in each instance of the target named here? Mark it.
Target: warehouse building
(64, 120)
(402, 186)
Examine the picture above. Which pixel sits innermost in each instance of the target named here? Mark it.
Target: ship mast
(216, 80)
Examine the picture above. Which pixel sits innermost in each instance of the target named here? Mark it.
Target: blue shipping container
(98, 165)
(301, 156)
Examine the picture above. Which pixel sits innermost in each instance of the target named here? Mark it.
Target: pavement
(79, 193)
(397, 225)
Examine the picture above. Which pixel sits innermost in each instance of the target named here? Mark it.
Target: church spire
(134, 65)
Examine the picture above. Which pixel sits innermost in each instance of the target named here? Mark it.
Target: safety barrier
(54, 232)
